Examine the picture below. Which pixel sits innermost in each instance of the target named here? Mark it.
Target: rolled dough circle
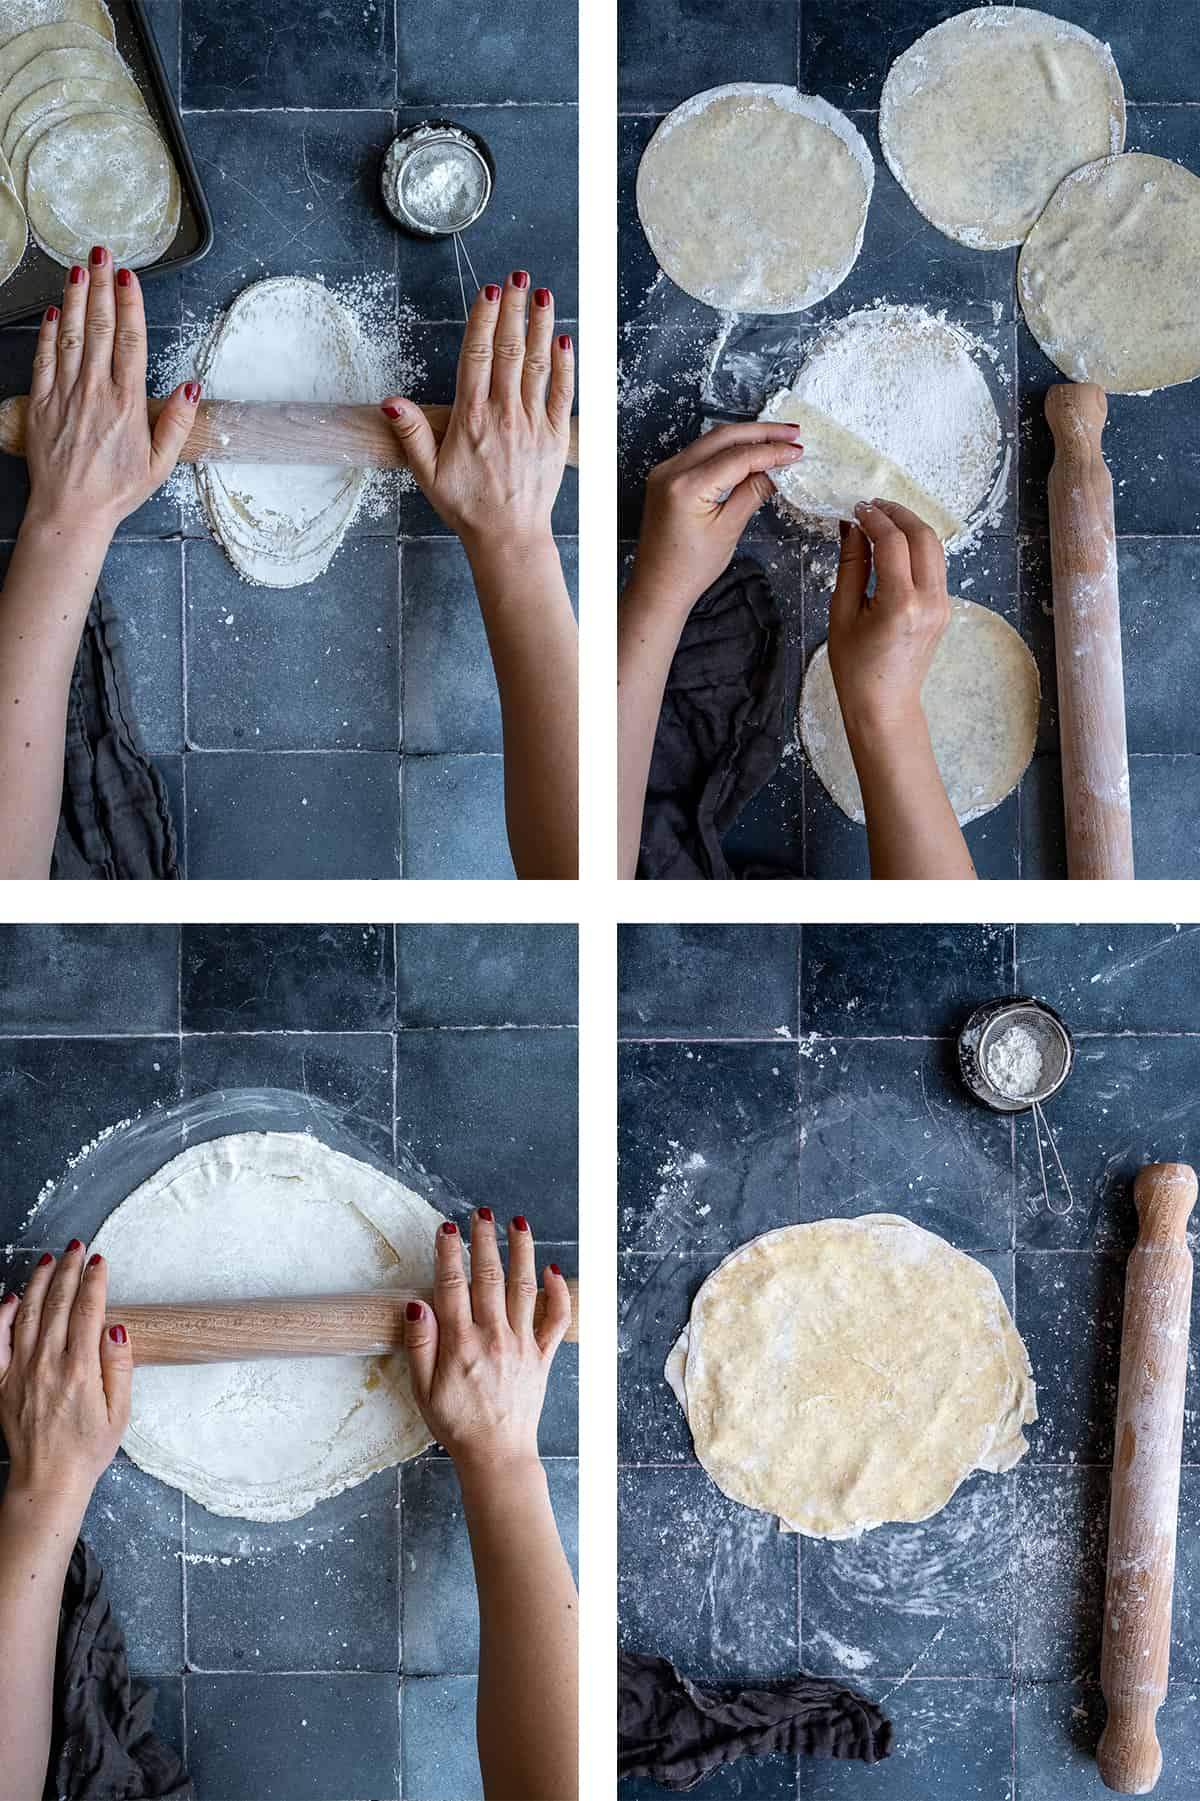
(55, 69)
(260, 1214)
(102, 178)
(754, 197)
(980, 699)
(849, 1373)
(981, 118)
(20, 16)
(68, 35)
(1108, 275)
(14, 231)
(909, 386)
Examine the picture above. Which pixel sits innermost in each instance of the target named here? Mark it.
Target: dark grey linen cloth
(677, 1732)
(115, 823)
(102, 1745)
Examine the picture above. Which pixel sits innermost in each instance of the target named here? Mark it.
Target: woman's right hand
(881, 646)
(65, 1382)
(700, 502)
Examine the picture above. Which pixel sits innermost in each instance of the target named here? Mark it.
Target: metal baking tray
(38, 279)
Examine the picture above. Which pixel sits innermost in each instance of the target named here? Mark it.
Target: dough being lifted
(983, 117)
(852, 1372)
(980, 698)
(754, 197)
(269, 1213)
(839, 469)
(1109, 275)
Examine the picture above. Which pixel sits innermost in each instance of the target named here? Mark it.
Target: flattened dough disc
(102, 178)
(37, 113)
(14, 231)
(983, 116)
(263, 1213)
(19, 16)
(69, 66)
(1109, 275)
(70, 35)
(851, 1372)
(754, 197)
(981, 700)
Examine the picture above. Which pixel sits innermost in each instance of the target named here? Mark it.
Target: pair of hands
(880, 646)
(478, 1366)
(494, 476)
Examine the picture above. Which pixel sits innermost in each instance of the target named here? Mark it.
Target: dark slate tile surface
(134, 1524)
(654, 1298)
(252, 816)
(1062, 1531)
(315, 55)
(454, 819)
(269, 978)
(671, 49)
(922, 982)
(527, 52)
(439, 1732)
(1059, 1727)
(1069, 1314)
(495, 975)
(1129, 979)
(145, 586)
(295, 1737)
(350, 1070)
(63, 980)
(952, 1738)
(708, 981)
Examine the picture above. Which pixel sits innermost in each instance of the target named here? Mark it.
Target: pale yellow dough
(19, 16)
(852, 1372)
(14, 229)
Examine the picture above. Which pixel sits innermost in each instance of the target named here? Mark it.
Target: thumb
(742, 502)
(854, 572)
(415, 435)
(420, 1346)
(171, 429)
(116, 1372)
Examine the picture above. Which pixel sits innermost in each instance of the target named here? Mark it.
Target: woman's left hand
(65, 1382)
(92, 458)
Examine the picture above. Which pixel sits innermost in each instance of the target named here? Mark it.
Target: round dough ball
(259, 1214)
(1108, 275)
(754, 197)
(55, 69)
(102, 178)
(14, 229)
(849, 1373)
(20, 16)
(983, 116)
(980, 698)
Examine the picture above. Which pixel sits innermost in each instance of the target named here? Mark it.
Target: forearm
(534, 645)
(912, 832)
(37, 1536)
(51, 578)
(528, 1708)
(648, 634)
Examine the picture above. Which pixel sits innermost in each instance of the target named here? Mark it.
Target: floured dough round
(754, 197)
(983, 117)
(980, 699)
(102, 178)
(50, 105)
(54, 70)
(14, 231)
(67, 36)
(1108, 275)
(260, 1214)
(908, 385)
(852, 1372)
(19, 16)
(283, 339)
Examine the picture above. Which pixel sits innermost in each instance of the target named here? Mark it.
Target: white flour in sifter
(1014, 1063)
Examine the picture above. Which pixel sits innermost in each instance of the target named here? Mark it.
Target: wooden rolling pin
(323, 1325)
(1145, 1486)
(242, 431)
(1087, 639)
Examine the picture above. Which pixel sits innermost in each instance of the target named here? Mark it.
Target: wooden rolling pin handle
(1087, 639)
(1135, 1662)
(232, 431)
(338, 1325)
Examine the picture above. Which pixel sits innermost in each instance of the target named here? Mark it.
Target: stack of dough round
(81, 157)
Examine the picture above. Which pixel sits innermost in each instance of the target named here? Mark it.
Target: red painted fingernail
(44, 1259)
(393, 412)
(95, 1262)
(449, 1228)
(76, 275)
(487, 1214)
(10, 1296)
(541, 297)
(414, 1310)
(51, 314)
(193, 391)
(521, 1223)
(76, 1244)
(118, 1334)
(99, 255)
(123, 278)
(491, 292)
(564, 343)
(520, 278)
(554, 1270)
